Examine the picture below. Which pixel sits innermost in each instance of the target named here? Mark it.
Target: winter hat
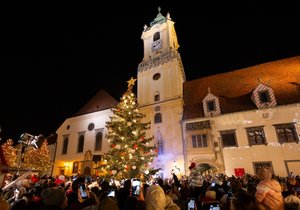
(155, 198)
(193, 165)
(53, 196)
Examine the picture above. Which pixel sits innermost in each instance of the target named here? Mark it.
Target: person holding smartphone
(80, 196)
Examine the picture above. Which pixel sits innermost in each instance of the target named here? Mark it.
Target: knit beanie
(53, 196)
(155, 198)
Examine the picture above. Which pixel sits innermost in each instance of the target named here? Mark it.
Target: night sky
(57, 57)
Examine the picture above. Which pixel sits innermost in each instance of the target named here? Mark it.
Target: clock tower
(160, 81)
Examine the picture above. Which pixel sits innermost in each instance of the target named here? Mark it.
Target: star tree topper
(131, 83)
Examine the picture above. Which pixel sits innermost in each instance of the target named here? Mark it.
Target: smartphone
(213, 184)
(191, 204)
(211, 206)
(136, 186)
(214, 206)
(83, 192)
(111, 193)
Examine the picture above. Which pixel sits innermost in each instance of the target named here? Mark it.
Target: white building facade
(230, 123)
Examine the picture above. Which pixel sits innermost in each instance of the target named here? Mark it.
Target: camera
(136, 186)
(83, 192)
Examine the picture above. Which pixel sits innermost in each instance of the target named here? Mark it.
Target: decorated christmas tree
(10, 153)
(131, 152)
(38, 159)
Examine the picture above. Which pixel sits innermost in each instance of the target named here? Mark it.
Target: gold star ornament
(131, 82)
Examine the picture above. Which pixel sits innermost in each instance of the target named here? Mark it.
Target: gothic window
(80, 143)
(228, 138)
(65, 146)
(157, 118)
(199, 141)
(286, 133)
(156, 36)
(256, 135)
(98, 141)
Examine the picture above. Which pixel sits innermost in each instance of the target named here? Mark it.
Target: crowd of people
(263, 191)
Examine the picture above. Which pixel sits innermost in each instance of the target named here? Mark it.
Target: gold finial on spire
(131, 83)
(159, 9)
(208, 89)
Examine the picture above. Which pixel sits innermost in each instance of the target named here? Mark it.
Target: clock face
(156, 45)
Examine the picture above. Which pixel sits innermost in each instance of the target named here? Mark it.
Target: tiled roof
(101, 101)
(234, 88)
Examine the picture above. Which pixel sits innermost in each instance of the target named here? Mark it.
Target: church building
(231, 123)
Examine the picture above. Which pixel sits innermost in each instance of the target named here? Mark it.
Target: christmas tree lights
(131, 152)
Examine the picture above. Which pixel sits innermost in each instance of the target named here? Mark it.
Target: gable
(101, 101)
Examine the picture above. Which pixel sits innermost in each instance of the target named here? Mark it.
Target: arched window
(98, 142)
(157, 118)
(156, 36)
(80, 143)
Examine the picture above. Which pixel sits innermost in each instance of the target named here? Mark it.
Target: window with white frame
(256, 135)
(286, 133)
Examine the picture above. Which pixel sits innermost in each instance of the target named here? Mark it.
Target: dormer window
(264, 97)
(211, 106)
